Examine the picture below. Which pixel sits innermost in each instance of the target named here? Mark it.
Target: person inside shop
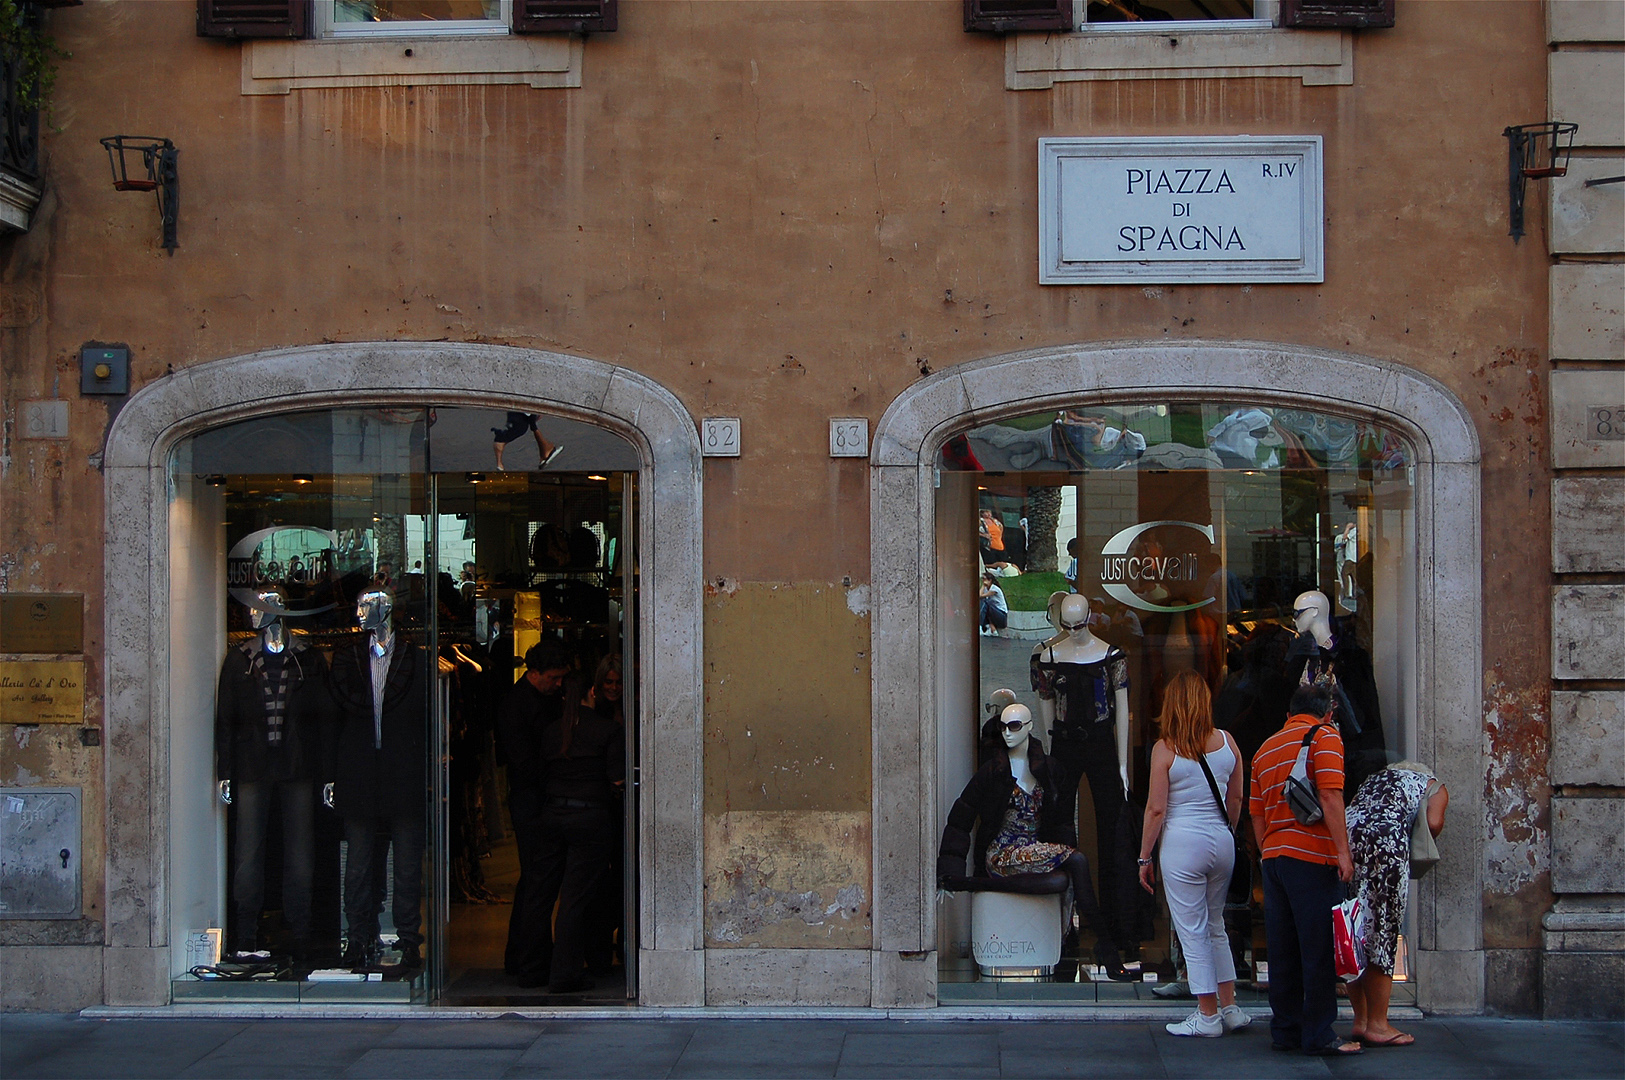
(1082, 684)
(1011, 803)
(995, 612)
(272, 721)
(534, 702)
(606, 913)
(380, 774)
(1306, 866)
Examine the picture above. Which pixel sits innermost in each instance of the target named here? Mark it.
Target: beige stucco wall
(784, 212)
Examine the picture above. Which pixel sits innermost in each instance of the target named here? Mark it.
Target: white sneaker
(1233, 1019)
(1205, 1027)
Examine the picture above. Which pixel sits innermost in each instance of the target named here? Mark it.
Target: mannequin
(1082, 685)
(990, 743)
(380, 776)
(1322, 655)
(1011, 802)
(272, 718)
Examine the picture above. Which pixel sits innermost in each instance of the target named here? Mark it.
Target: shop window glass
(332, 837)
(1192, 530)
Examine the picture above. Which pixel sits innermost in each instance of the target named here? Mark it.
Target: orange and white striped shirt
(1283, 835)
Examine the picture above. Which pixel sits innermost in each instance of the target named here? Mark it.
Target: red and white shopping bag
(1349, 922)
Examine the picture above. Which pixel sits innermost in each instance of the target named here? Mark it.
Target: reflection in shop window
(1261, 547)
(413, 17)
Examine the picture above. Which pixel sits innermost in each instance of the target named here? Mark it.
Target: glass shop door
(523, 555)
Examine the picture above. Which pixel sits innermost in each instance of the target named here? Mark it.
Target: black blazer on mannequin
(391, 779)
(242, 750)
(985, 799)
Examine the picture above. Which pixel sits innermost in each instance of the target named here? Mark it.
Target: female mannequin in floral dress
(1015, 790)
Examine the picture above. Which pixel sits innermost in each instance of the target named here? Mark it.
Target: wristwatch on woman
(1145, 862)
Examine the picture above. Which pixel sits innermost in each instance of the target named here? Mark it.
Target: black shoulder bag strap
(1213, 786)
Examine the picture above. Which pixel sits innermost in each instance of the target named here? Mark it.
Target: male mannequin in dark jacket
(272, 722)
(380, 775)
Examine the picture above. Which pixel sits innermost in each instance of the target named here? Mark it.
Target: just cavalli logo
(1121, 570)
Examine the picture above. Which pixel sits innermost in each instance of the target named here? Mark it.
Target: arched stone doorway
(1448, 619)
(138, 623)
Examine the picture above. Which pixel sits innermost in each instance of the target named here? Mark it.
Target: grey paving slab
(605, 1050)
(966, 1048)
(471, 1034)
(433, 1064)
(1244, 1055)
(1078, 1062)
(762, 1048)
(28, 1036)
(128, 1048)
(291, 1049)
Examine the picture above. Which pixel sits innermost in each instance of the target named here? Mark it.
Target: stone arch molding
(138, 620)
(1449, 615)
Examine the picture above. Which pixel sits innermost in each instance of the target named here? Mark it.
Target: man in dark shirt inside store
(566, 769)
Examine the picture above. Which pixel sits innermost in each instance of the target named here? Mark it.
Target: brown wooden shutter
(253, 18)
(1002, 16)
(1351, 14)
(564, 16)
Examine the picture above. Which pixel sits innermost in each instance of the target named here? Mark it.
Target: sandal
(1398, 1038)
(1339, 1048)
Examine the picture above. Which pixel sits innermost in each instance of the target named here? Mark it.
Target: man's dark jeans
(1298, 901)
(361, 891)
(253, 819)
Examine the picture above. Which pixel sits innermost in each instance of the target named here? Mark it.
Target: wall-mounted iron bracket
(159, 171)
(1534, 152)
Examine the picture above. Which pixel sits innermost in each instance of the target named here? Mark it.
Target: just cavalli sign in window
(1234, 208)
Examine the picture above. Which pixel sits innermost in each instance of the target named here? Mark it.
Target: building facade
(803, 290)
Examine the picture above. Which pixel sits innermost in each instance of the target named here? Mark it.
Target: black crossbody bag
(1213, 786)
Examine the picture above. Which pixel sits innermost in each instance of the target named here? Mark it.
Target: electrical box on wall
(104, 369)
(39, 853)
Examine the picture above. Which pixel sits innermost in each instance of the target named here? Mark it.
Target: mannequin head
(372, 610)
(1311, 614)
(1000, 699)
(1074, 613)
(1016, 726)
(267, 609)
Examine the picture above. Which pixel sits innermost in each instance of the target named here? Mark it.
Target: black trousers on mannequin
(570, 853)
(1095, 757)
(363, 881)
(253, 820)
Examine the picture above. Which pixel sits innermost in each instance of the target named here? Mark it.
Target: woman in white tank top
(1198, 848)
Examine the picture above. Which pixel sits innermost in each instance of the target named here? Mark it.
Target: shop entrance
(451, 541)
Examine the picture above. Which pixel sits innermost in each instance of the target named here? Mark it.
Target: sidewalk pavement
(34, 1045)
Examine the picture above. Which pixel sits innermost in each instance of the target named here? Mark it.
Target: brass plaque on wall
(42, 623)
(42, 691)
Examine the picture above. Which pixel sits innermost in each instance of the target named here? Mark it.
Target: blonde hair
(1187, 715)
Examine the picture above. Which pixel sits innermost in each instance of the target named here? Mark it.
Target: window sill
(278, 67)
(1318, 57)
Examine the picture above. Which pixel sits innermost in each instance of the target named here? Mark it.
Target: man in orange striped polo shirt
(1305, 870)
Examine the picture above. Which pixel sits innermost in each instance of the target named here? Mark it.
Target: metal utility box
(40, 853)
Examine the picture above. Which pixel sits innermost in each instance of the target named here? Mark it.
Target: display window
(1086, 558)
(364, 767)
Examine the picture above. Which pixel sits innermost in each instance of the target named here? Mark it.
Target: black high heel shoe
(1107, 956)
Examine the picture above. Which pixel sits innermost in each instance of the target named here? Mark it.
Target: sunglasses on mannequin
(1013, 726)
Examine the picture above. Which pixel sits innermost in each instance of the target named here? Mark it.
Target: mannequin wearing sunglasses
(1329, 656)
(1013, 799)
(1082, 686)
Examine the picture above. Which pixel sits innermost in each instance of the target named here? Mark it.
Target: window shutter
(1350, 14)
(253, 18)
(564, 16)
(1002, 16)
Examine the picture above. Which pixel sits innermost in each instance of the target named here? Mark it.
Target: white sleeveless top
(1190, 799)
